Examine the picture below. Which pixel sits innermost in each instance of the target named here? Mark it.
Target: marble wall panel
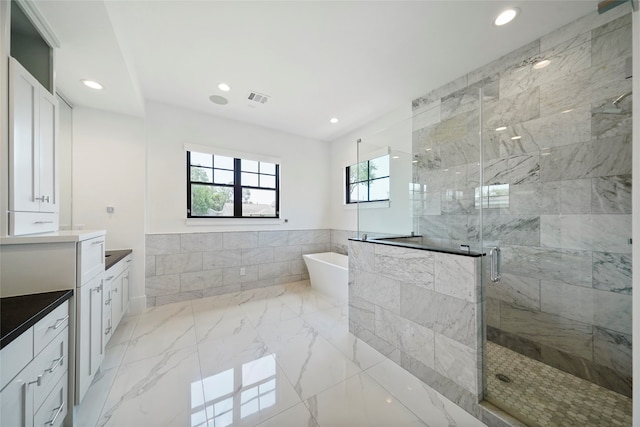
(178, 263)
(468, 99)
(585, 24)
(437, 94)
(606, 123)
(362, 312)
(200, 280)
(179, 297)
(240, 240)
(287, 253)
(514, 58)
(603, 233)
(516, 290)
(492, 312)
(569, 301)
(457, 202)
(257, 256)
(457, 362)
(612, 40)
(303, 237)
(149, 266)
(556, 197)
(409, 337)
(162, 244)
(273, 238)
(162, 285)
(219, 259)
(361, 256)
(231, 275)
(450, 316)
(563, 334)
(512, 229)
(407, 265)
(566, 58)
(200, 242)
(612, 272)
(426, 115)
(221, 290)
(612, 311)
(273, 270)
(457, 276)
(522, 169)
(542, 133)
(518, 108)
(612, 349)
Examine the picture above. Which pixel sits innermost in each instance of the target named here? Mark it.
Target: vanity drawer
(15, 356)
(54, 409)
(49, 366)
(90, 259)
(48, 328)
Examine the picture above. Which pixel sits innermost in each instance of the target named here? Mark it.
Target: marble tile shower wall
(565, 296)
(422, 310)
(188, 266)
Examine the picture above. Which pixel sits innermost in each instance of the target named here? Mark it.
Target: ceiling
(354, 60)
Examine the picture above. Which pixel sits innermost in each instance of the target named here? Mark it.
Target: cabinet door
(116, 300)
(89, 333)
(24, 153)
(126, 283)
(96, 334)
(47, 135)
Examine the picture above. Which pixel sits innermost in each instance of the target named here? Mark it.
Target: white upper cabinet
(33, 177)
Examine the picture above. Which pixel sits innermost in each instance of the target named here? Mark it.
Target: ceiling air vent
(259, 98)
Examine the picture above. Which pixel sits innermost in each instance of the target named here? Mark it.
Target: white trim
(208, 149)
(38, 20)
(222, 222)
(368, 205)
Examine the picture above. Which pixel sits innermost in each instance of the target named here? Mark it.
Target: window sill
(368, 205)
(232, 221)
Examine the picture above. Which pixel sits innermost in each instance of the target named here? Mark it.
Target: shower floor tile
(543, 396)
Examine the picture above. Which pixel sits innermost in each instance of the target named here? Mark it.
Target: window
(228, 187)
(368, 181)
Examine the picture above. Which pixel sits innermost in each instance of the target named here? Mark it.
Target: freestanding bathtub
(329, 274)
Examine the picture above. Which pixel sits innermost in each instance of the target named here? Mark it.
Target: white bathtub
(329, 274)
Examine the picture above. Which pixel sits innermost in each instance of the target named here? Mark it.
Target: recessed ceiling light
(217, 99)
(501, 128)
(541, 64)
(92, 84)
(506, 17)
(334, 120)
(224, 87)
(516, 137)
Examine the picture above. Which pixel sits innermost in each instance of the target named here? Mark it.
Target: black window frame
(236, 187)
(369, 180)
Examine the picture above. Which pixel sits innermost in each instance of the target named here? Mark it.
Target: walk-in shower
(535, 161)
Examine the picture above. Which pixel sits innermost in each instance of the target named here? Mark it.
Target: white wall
(391, 130)
(109, 170)
(304, 192)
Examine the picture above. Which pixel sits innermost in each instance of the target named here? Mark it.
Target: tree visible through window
(228, 187)
(368, 181)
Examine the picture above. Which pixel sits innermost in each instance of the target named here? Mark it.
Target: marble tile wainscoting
(550, 139)
(422, 310)
(186, 266)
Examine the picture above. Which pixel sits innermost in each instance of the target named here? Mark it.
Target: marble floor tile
(280, 356)
(161, 329)
(419, 398)
(161, 390)
(360, 401)
(299, 415)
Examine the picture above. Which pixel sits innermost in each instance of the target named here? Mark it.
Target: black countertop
(111, 258)
(17, 314)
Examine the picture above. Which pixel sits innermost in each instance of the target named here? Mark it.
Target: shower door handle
(494, 263)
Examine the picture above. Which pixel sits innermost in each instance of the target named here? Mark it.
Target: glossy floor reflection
(279, 356)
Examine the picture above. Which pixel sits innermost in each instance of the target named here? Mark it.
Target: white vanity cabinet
(33, 177)
(116, 294)
(35, 369)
